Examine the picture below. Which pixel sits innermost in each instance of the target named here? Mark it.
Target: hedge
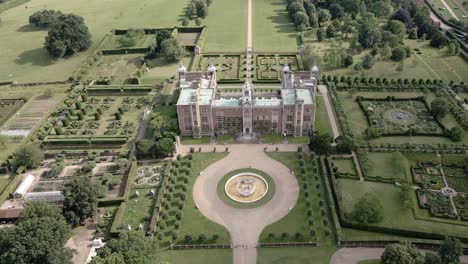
(331, 202)
(81, 140)
(110, 201)
(158, 203)
(114, 230)
(10, 188)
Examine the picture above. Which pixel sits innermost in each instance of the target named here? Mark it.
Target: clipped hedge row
(10, 188)
(85, 140)
(158, 203)
(114, 230)
(324, 168)
(110, 201)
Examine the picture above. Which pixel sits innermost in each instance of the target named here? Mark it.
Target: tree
(310, 8)
(171, 50)
(336, 11)
(396, 27)
(320, 143)
(320, 34)
(185, 22)
(202, 9)
(367, 210)
(323, 16)
(295, 7)
(160, 37)
(438, 40)
(198, 21)
(44, 18)
(398, 53)
(440, 108)
(80, 199)
(401, 253)
(29, 156)
(164, 147)
(114, 258)
(367, 62)
(38, 237)
(191, 11)
(145, 147)
(456, 134)
(348, 61)
(405, 195)
(331, 31)
(385, 51)
(403, 16)
(344, 144)
(134, 247)
(313, 20)
(68, 36)
(300, 18)
(369, 35)
(431, 258)
(453, 48)
(450, 251)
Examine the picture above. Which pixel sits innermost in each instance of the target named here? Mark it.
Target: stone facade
(204, 108)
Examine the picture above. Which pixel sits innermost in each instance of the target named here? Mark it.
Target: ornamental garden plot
(268, 67)
(444, 190)
(84, 120)
(228, 66)
(395, 116)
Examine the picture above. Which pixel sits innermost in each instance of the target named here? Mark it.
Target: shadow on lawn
(37, 57)
(30, 28)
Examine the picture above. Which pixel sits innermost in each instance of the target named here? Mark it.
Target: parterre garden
(268, 66)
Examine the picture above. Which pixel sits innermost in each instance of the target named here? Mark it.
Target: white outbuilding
(24, 186)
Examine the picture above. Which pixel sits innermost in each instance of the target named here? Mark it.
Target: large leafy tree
(367, 210)
(160, 37)
(403, 253)
(164, 147)
(440, 108)
(38, 237)
(320, 143)
(67, 36)
(450, 251)
(44, 18)
(81, 197)
(171, 50)
(132, 246)
(29, 156)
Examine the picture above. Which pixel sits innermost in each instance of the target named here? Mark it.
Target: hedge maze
(395, 116)
(268, 66)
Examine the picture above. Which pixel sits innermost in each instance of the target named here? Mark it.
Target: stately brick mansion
(205, 109)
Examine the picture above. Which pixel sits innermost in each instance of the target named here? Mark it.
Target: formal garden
(229, 67)
(268, 66)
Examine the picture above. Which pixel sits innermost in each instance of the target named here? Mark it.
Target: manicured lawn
(395, 215)
(227, 26)
(138, 209)
(23, 56)
(383, 166)
(160, 70)
(194, 222)
(272, 29)
(225, 139)
(4, 180)
(345, 165)
(322, 123)
(195, 141)
(222, 193)
(295, 255)
(198, 256)
(296, 221)
(272, 138)
(359, 124)
(298, 140)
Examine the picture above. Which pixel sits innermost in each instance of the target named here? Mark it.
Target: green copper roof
(187, 96)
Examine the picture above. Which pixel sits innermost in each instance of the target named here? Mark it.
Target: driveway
(245, 225)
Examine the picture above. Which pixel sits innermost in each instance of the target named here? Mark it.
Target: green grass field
(194, 222)
(23, 56)
(272, 29)
(345, 165)
(139, 209)
(296, 255)
(227, 26)
(199, 256)
(268, 138)
(322, 123)
(395, 215)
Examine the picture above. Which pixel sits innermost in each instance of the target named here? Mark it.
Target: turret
(182, 70)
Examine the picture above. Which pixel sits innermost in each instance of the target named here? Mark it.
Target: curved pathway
(245, 225)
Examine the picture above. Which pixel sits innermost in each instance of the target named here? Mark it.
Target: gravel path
(245, 225)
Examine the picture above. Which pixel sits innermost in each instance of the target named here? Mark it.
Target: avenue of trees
(197, 10)
(67, 33)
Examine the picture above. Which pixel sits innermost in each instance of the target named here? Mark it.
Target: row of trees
(196, 9)
(67, 33)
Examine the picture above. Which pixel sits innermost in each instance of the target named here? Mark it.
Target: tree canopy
(81, 197)
(401, 253)
(44, 18)
(320, 143)
(171, 50)
(133, 247)
(29, 156)
(440, 107)
(450, 251)
(68, 36)
(368, 209)
(38, 237)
